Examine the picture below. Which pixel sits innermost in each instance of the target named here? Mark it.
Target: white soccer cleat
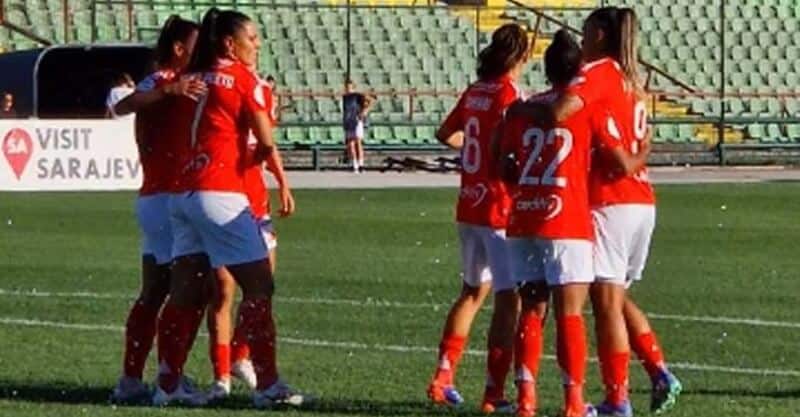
(244, 371)
(220, 390)
(279, 394)
(129, 390)
(186, 393)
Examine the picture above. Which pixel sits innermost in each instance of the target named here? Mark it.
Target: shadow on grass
(60, 392)
(735, 392)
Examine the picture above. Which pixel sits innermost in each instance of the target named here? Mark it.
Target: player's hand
(287, 202)
(646, 144)
(192, 87)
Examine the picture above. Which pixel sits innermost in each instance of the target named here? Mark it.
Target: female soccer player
(623, 209)
(233, 356)
(550, 226)
(482, 213)
(151, 101)
(212, 216)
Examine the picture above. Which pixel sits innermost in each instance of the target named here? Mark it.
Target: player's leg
(233, 240)
(360, 132)
(182, 314)
(500, 341)
(140, 329)
(665, 386)
(612, 346)
(475, 288)
(612, 227)
(220, 331)
(242, 366)
(527, 263)
(569, 274)
(352, 151)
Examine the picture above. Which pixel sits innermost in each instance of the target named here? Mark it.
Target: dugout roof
(69, 81)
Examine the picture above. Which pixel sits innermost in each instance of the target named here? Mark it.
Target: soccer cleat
(588, 411)
(244, 371)
(185, 393)
(129, 390)
(444, 394)
(497, 406)
(666, 389)
(526, 399)
(279, 394)
(220, 390)
(622, 410)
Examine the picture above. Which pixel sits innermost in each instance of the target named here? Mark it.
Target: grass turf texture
(739, 260)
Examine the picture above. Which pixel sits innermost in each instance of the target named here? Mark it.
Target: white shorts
(152, 212)
(622, 234)
(485, 257)
(556, 261)
(268, 232)
(219, 224)
(357, 133)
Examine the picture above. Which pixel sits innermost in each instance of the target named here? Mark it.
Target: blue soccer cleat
(666, 389)
(608, 410)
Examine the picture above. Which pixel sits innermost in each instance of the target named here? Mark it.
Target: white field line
(397, 304)
(10, 321)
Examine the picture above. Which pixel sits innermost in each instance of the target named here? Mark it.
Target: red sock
(240, 350)
(450, 350)
(614, 368)
(177, 328)
(140, 330)
(649, 352)
(498, 363)
(221, 360)
(572, 352)
(258, 328)
(528, 353)
(528, 345)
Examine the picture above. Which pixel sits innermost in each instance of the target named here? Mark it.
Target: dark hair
(620, 27)
(123, 78)
(270, 78)
(508, 47)
(175, 29)
(217, 25)
(562, 59)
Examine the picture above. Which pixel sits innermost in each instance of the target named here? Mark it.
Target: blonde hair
(628, 57)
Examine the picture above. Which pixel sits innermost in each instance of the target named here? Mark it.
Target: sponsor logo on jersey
(476, 193)
(546, 207)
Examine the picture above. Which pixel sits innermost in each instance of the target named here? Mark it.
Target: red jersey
(219, 127)
(551, 198)
(608, 185)
(158, 139)
(483, 199)
(255, 185)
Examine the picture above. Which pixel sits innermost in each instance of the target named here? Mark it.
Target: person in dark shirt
(355, 107)
(7, 107)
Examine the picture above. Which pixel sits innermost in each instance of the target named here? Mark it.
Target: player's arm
(611, 140)
(451, 132)
(190, 87)
(630, 163)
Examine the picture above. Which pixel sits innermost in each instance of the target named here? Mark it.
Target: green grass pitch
(365, 278)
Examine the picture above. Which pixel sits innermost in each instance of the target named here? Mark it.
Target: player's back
(551, 197)
(158, 137)
(483, 199)
(218, 127)
(609, 185)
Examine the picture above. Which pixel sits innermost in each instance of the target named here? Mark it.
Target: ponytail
(175, 29)
(217, 25)
(620, 28)
(628, 48)
(509, 46)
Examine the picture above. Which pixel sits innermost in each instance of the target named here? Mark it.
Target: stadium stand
(417, 57)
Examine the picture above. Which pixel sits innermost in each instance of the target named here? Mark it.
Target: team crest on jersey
(475, 193)
(546, 207)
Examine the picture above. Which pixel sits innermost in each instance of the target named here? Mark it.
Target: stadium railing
(711, 131)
